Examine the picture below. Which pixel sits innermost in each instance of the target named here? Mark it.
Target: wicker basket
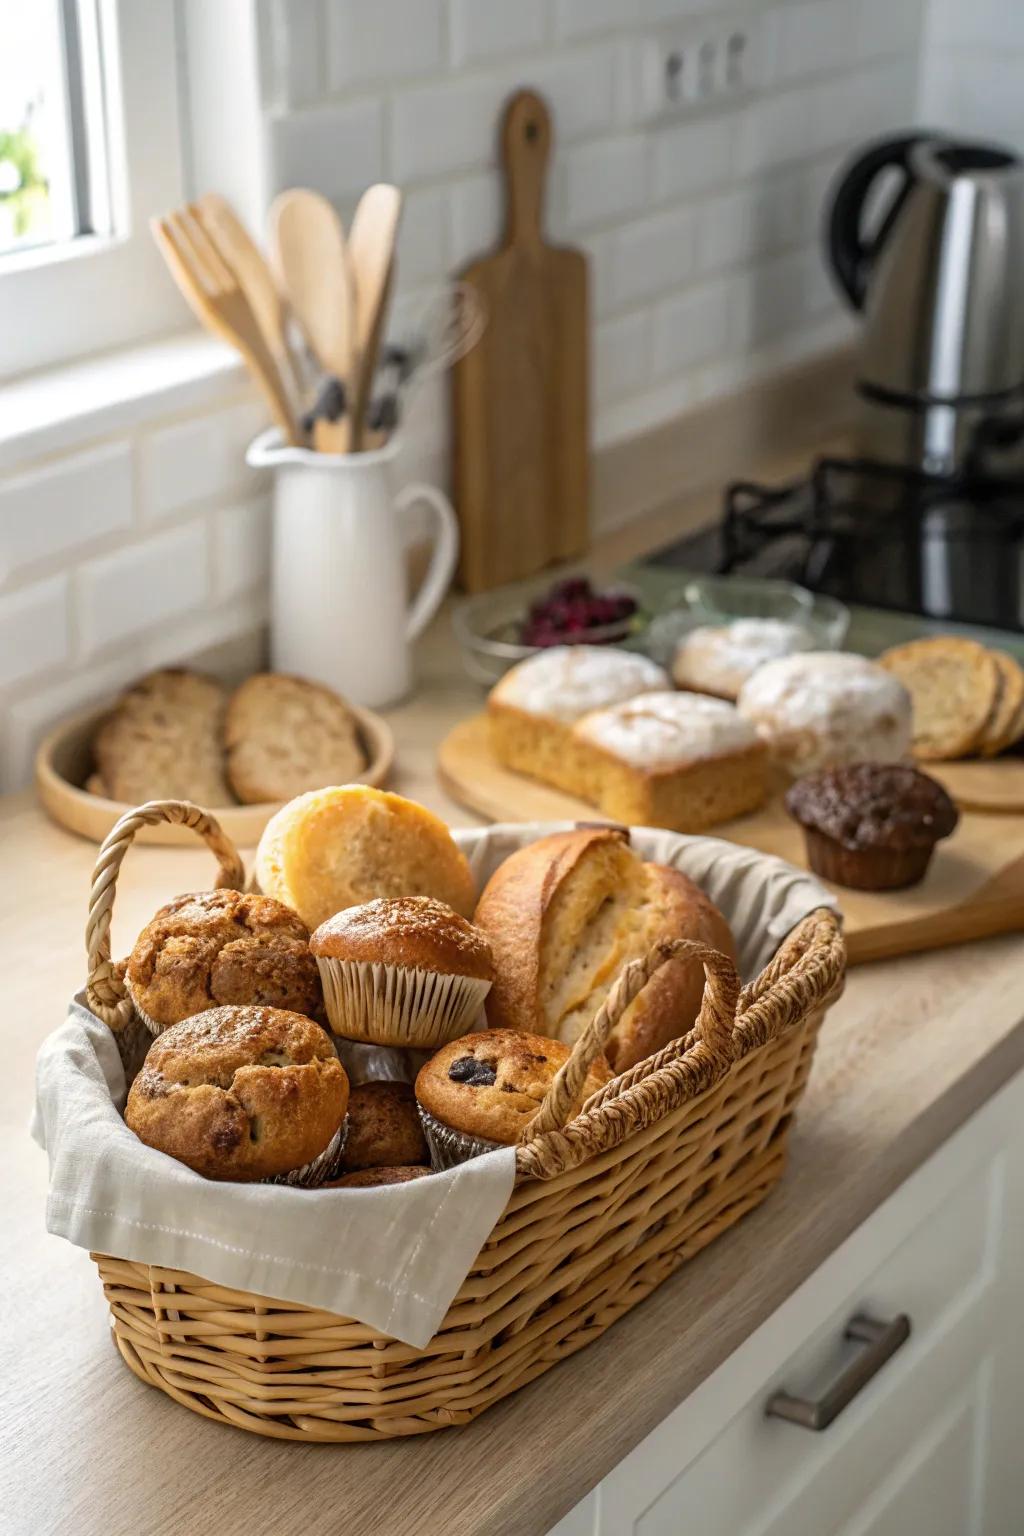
(657, 1164)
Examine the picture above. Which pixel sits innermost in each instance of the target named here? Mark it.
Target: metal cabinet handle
(881, 1341)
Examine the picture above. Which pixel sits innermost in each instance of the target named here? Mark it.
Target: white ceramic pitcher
(339, 609)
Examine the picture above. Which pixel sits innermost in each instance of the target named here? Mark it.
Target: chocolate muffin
(212, 948)
(384, 1128)
(871, 826)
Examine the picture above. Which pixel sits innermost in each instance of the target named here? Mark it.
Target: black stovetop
(872, 534)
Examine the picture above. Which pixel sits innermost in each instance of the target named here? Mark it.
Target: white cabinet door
(930, 1444)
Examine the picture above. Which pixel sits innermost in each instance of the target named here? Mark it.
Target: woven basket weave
(605, 1206)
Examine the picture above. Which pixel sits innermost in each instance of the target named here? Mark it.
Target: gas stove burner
(877, 534)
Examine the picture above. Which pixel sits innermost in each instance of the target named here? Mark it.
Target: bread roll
(565, 914)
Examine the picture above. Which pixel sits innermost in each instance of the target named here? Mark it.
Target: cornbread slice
(284, 736)
(164, 740)
(952, 684)
(1001, 726)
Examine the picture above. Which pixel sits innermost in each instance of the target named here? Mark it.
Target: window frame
(99, 292)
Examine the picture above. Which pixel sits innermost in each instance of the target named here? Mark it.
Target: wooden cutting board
(520, 395)
(974, 886)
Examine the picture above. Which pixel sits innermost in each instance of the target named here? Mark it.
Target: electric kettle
(939, 278)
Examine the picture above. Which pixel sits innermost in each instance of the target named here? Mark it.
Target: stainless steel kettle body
(941, 287)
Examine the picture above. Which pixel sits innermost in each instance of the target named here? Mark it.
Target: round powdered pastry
(824, 708)
(718, 658)
(663, 730)
(285, 736)
(335, 848)
(953, 684)
(163, 740)
(383, 1128)
(214, 947)
(482, 1091)
(240, 1093)
(402, 971)
(567, 681)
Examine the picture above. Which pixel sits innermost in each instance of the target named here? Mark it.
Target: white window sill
(46, 412)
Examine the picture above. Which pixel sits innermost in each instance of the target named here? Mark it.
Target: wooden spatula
(244, 256)
(216, 298)
(371, 253)
(310, 255)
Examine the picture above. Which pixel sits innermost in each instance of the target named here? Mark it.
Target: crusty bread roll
(284, 736)
(338, 847)
(565, 914)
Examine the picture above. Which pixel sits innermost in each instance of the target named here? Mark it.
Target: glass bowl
(487, 626)
(720, 599)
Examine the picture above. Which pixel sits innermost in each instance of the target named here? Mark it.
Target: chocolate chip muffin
(871, 826)
(241, 1093)
(480, 1092)
(222, 947)
(403, 971)
(384, 1128)
(370, 1178)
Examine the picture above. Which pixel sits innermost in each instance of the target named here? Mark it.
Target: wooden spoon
(371, 251)
(311, 260)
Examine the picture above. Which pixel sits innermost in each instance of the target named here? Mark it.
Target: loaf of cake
(534, 707)
(677, 760)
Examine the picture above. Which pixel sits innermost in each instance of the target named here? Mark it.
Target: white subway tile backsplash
(884, 27)
(621, 357)
(423, 236)
(58, 507)
(480, 29)
(241, 548)
(26, 721)
(805, 39)
(476, 219)
(579, 89)
(605, 181)
(691, 329)
(579, 18)
(758, 218)
(692, 157)
(336, 150)
(124, 594)
(292, 51)
(777, 129)
(196, 459)
(652, 256)
(382, 40)
(34, 630)
(440, 129)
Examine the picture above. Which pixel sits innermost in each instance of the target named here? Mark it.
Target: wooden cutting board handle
(526, 148)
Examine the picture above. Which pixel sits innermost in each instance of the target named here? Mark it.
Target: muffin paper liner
(322, 1167)
(374, 1063)
(448, 1147)
(398, 1005)
(150, 1023)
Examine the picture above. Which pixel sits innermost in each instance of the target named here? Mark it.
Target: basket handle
(806, 973)
(714, 1023)
(105, 989)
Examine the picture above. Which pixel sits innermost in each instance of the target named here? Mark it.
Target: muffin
(384, 1128)
(822, 709)
(480, 1092)
(243, 1094)
(871, 826)
(371, 1178)
(211, 948)
(338, 847)
(718, 658)
(405, 971)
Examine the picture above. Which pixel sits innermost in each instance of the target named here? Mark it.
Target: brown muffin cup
(866, 869)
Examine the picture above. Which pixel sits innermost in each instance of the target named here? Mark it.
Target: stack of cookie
(968, 700)
(180, 735)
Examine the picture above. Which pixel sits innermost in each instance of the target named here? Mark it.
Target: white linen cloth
(391, 1257)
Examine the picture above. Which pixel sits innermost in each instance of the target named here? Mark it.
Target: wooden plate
(974, 885)
(990, 784)
(64, 761)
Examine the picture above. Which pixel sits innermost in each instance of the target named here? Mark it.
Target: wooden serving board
(993, 784)
(520, 472)
(974, 886)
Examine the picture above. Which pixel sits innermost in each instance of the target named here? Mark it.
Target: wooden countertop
(912, 1049)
